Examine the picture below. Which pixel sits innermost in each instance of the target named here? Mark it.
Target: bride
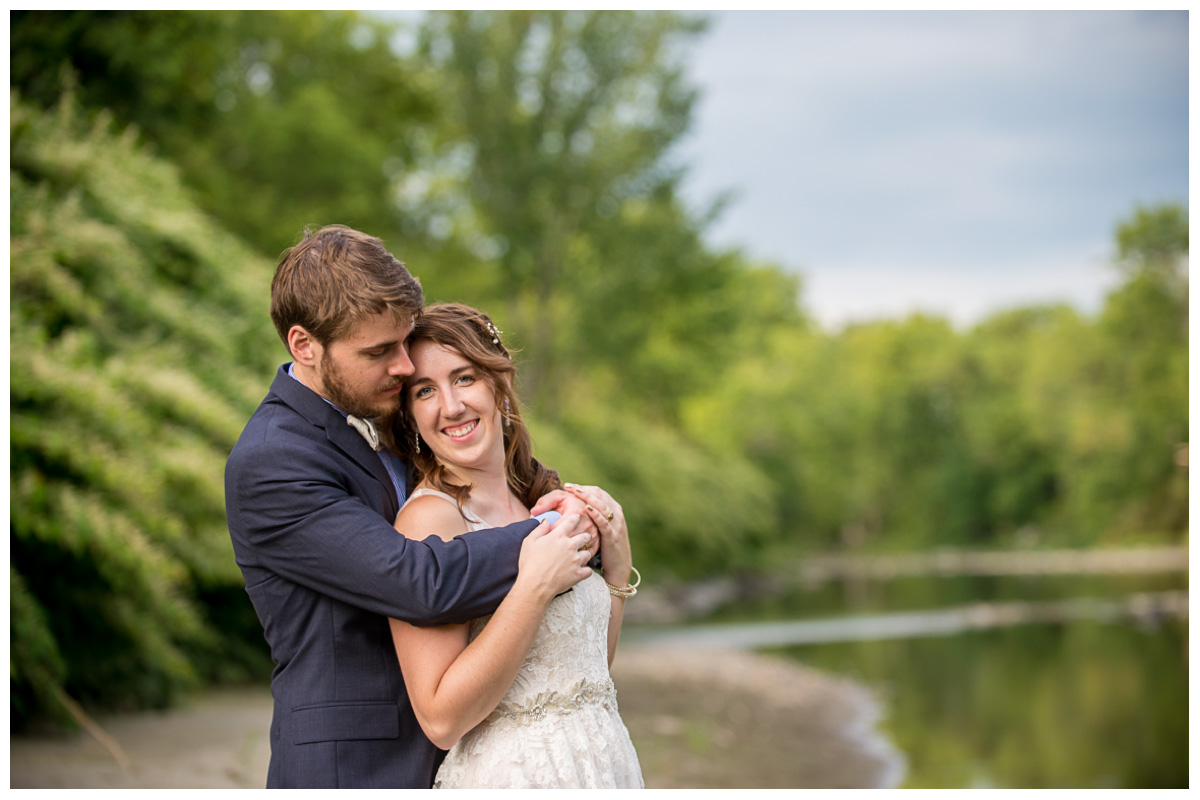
(523, 698)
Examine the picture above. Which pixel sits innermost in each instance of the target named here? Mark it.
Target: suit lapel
(341, 434)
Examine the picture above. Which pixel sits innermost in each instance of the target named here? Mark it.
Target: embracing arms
(297, 510)
(454, 683)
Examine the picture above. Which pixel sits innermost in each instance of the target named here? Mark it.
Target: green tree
(277, 120)
(1018, 397)
(559, 126)
(1037, 426)
(138, 346)
(1144, 336)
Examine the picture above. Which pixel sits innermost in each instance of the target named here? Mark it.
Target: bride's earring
(507, 413)
(417, 440)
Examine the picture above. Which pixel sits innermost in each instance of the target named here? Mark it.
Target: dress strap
(471, 517)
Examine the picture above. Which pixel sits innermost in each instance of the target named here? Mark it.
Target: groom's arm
(291, 515)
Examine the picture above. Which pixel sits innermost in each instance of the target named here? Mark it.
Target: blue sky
(955, 163)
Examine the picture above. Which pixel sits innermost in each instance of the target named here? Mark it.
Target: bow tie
(367, 428)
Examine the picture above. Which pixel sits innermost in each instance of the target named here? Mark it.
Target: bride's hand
(615, 553)
(554, 558)
(566, 504)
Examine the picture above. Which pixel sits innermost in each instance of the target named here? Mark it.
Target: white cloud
(952, 146)
(846, 293)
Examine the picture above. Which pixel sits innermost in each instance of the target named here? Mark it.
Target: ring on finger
(609, 516)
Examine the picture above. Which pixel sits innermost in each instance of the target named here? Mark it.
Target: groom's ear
(305, 349)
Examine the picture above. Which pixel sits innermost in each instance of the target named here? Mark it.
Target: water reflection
(1071, 704)
(869, 595)
(1145, 608)
(1078, 705)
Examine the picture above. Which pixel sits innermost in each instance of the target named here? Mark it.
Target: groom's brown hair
(335, 277)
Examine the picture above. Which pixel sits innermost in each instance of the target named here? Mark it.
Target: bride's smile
(455, 409)
(461, 432)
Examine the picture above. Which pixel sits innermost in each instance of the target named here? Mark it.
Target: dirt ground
(699, 719)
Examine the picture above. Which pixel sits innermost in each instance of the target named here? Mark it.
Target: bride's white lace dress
(557, 726)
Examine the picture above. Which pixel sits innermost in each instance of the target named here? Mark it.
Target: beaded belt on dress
(583, 694)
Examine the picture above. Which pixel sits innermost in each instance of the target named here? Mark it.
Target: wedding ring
(609, 516)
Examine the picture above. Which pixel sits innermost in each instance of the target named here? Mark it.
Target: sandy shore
(699, 719)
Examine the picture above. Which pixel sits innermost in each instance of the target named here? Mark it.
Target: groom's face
(363, 373)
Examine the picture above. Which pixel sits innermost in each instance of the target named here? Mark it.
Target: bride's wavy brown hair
(472, 334)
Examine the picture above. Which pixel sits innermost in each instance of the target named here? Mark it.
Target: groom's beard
(338, 392)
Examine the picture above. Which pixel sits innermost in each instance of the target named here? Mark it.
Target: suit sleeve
(291, 515)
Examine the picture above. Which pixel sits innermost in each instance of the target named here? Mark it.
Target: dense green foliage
(138, 342)
(520, 162)
(276, 119)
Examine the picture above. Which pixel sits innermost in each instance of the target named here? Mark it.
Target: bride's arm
(452, 684)
(615, 553)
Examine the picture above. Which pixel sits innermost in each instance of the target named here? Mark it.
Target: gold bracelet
(628, 591)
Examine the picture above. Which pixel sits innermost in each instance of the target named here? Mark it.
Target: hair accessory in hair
(494, 331)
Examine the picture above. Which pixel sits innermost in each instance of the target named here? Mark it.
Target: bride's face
(454, 408)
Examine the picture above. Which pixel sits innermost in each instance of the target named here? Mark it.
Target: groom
(310, 499)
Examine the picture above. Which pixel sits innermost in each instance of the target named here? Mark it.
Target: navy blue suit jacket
(310, 510)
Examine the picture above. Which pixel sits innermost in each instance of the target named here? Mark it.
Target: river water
(1042, 681)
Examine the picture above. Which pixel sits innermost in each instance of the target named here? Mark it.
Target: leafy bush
(139, 342)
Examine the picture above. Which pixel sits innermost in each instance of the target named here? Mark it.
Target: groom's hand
(566, 504)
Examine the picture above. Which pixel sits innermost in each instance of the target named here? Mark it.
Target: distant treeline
(518, 161)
